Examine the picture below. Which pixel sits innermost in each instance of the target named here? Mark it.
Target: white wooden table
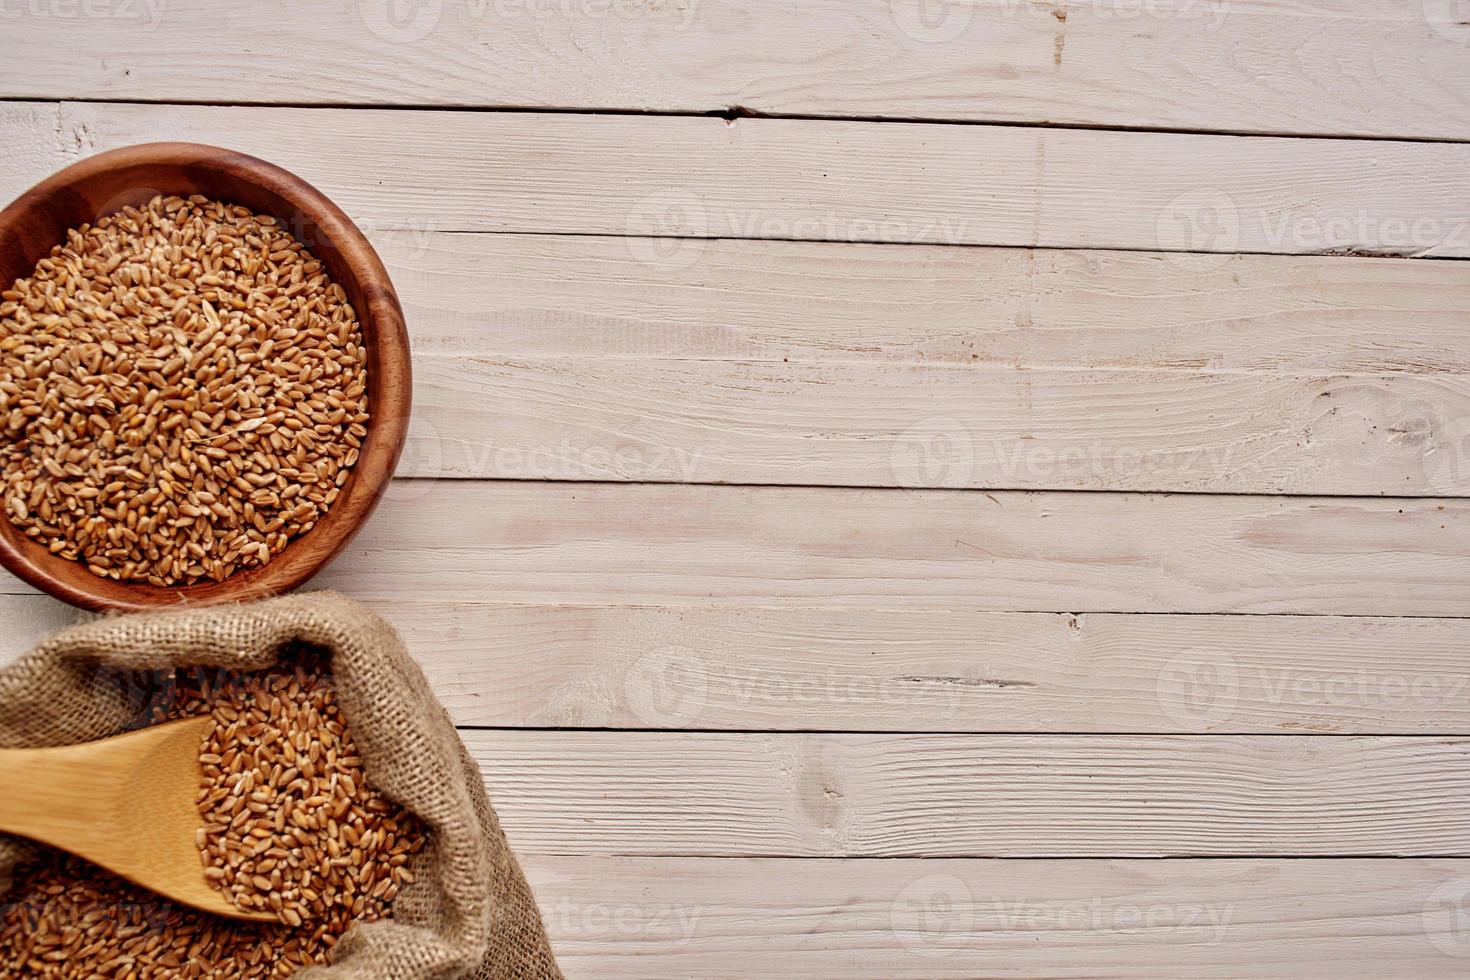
(1003, 514)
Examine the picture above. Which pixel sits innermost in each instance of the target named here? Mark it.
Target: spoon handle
(54, 796)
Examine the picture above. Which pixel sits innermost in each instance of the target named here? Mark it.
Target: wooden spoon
(125, 803)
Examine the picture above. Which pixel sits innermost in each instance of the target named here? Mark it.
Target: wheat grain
(183, 391)
(291, 824)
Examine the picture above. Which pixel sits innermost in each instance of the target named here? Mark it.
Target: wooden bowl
(39, 219)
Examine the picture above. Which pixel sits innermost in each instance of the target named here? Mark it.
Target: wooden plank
(889, 670)
(25, 620)
(695, 178)
(636, 544)
(1293, 66)
(839, 424)
(595, 544)
(849, 795)
(963, 671)
(975, 795)
(616, 412)
(646, 918)
(553, 296)
(34, 145)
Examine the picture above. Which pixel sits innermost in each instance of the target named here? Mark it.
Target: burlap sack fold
(469, 913)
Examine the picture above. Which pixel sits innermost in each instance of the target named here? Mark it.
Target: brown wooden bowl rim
(389, 387)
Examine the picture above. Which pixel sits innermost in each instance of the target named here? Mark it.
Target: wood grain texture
(884, 670)
(643, 544)
(693, 178)
(906, 919)
(596, 544)
(789, 362)
(598, 297)
(648, 667)
(667, 794)
(882, 425)
(33, 147)
(1294, 66)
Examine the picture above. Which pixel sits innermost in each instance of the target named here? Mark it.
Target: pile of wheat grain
(290, 824)
(68, 920)
(182, 391)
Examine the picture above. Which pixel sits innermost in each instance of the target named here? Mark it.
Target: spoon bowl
(125, 803)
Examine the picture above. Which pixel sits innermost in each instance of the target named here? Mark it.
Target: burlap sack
(469, 913)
